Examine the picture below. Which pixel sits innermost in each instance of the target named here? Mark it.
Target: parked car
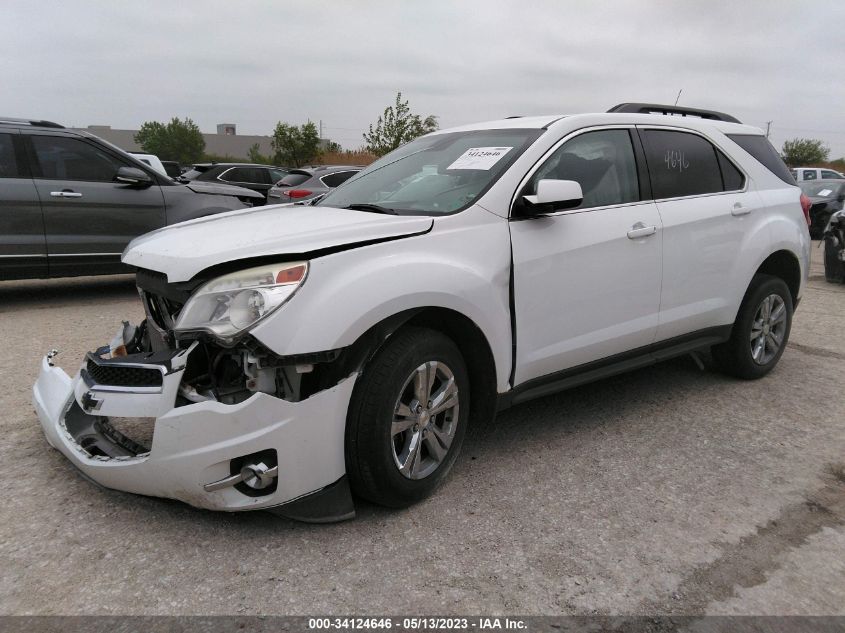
(152, 160)
(827, 198)
(71, 202)
(173, 169)
(302, 185)
(834, 248)
(256, 177)
(815, 173)
(284, 365)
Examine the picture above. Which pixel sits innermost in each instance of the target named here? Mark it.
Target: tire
(757, 341)
(834, 268)
(396, 466)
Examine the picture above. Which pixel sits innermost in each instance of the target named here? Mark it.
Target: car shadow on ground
(575, 413)
(72, 290)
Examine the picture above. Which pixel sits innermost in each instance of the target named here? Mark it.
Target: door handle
(65, 194)
(641, 230)
(738, 209)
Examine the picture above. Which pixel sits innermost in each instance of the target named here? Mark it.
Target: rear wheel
(407, 418)
(760, 332)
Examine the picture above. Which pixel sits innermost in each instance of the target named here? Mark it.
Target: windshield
(819, 189)
(435, 174)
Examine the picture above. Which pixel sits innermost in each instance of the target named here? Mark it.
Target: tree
(255, 155)
(396, 127)
(178, 140)
(295, 145)
(804, 151)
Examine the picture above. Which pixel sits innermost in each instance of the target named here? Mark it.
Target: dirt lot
(668, 490)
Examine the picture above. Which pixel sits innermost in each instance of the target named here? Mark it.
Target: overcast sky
(255, 62)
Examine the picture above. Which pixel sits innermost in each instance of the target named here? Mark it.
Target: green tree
(396, 127)
(804, 151)
(255, 156)
(295, 145)
(178, 140)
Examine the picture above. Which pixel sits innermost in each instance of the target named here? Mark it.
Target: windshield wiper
(372, 208)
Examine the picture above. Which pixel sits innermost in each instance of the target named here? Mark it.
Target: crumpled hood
(182, 250)
(221, 190)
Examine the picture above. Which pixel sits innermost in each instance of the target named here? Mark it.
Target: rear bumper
(193, 445)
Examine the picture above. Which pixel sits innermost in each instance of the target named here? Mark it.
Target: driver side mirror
(133, 176)
(552, 195)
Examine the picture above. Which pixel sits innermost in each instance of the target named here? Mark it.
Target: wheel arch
(460, 329)
(785, 265)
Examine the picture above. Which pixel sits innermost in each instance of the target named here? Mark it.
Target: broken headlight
(230, 304)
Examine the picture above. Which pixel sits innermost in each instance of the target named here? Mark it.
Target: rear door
(23, 247)
(706, 204)
(88, 217)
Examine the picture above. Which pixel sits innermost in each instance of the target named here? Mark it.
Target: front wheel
(407, 418)
(760, 332)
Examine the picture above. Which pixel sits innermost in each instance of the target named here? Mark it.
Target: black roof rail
(656, 108)
(33, 122)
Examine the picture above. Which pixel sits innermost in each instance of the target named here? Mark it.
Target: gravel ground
(668, 490)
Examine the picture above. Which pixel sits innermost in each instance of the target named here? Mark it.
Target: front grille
(117, 375)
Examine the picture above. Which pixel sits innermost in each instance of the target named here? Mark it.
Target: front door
(88, 217)
(587, 280)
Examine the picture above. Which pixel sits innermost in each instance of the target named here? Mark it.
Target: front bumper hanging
(262, 453)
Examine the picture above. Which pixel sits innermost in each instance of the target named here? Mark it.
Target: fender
(462, 265)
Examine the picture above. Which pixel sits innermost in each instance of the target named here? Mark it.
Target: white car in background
(815, 173)
(292, 358)
(152, 160)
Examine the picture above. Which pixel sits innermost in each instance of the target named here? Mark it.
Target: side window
(830, 174)
(63, 158)
(338, 178)
(246, 174)
(681, 164)
(235, 174)
(8, 163)
(276, 175)
(809, 174)
(732, 178)
(601, 162)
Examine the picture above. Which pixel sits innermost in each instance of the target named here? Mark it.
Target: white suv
(292, 357)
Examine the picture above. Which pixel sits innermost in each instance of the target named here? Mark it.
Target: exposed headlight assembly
(229, 305)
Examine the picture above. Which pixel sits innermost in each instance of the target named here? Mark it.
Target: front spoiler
(193, 445)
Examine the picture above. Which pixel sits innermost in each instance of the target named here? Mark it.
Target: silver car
(307, 183)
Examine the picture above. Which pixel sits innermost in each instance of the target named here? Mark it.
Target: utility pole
(321, 128)
(768, 127)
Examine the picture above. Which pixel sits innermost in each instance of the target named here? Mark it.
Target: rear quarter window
(760, 148)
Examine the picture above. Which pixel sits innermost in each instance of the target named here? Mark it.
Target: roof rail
(655, 108)
(33, 122)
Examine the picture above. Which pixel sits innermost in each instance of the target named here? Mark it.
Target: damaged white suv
(292, 357)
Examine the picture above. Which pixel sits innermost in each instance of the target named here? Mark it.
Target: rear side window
(246, 174)
(63, 158)
(292, 180)
(8, 163)
(732, 178)
(337, 178)
(760, 148)
(681, 164)
(830, 174)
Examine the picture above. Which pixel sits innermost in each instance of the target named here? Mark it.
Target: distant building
(226, 142)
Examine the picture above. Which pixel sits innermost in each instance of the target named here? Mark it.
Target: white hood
(182, 250)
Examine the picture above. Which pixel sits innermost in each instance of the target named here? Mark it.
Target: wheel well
(477, 354)
(785, 265)
(469, 339)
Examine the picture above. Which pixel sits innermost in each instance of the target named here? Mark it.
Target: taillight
(297, 193)
(806, 203)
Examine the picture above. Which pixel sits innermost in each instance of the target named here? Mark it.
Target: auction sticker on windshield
(479, 158)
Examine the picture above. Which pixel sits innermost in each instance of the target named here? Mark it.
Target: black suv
(70, 202)
(252, 176)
